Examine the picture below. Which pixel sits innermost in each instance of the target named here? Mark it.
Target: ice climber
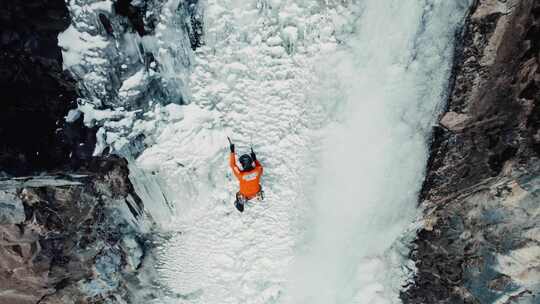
(249, 177)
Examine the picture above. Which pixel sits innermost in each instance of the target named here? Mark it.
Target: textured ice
(518, 265)
(106, 271)
(342, 132)
(328, 122)
(337, 98)
(239, 90)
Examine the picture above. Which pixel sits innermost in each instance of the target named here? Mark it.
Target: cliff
(72, 228)
(72, 238)
(481, 239)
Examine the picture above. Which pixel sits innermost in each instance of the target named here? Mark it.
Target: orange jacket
(249, 180)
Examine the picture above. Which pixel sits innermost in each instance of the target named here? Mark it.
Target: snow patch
(290, 34)
(130, 85)
(254, 93)
(102, 5)
(521, 266)
(76, 44)
(277, 51)
(92, 115)
(73, 115)
(274, 40)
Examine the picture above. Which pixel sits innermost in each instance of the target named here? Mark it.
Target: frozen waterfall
(338, 98)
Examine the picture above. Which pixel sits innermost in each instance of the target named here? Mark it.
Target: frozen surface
(338, 100)
(242, 89)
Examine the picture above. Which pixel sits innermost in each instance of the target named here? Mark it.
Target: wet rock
(482, 185)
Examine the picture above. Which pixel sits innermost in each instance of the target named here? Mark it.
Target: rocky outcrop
(481, 240)
(36, 93)
(72, 238)
(75, 230)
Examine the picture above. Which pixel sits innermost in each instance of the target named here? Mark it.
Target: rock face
(481, 241)
(71, 238)
(36, 93)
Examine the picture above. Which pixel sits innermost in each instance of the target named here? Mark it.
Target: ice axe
(231, 145)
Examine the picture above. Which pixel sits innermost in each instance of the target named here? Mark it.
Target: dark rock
(483, 172)
(106, 23)
(133, 13)
(70, 240)
(195, 26)
(36, 93)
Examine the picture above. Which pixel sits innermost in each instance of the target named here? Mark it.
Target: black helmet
(246, 162)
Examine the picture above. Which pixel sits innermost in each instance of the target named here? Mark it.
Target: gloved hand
(232, 148)
(253, 156)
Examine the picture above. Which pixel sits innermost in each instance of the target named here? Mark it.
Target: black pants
(241, 200)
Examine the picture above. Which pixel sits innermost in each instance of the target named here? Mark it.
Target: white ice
(341, 130)
(241, 88)
(75, 45)
(129, 85)
(102, 5)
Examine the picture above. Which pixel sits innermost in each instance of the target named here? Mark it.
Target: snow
(75, 44)
(129, 86)
(277, 51)
(102, 5)
(73, 115)
(518, 265)
(275, 40)
(93, 115)
(290, 33)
